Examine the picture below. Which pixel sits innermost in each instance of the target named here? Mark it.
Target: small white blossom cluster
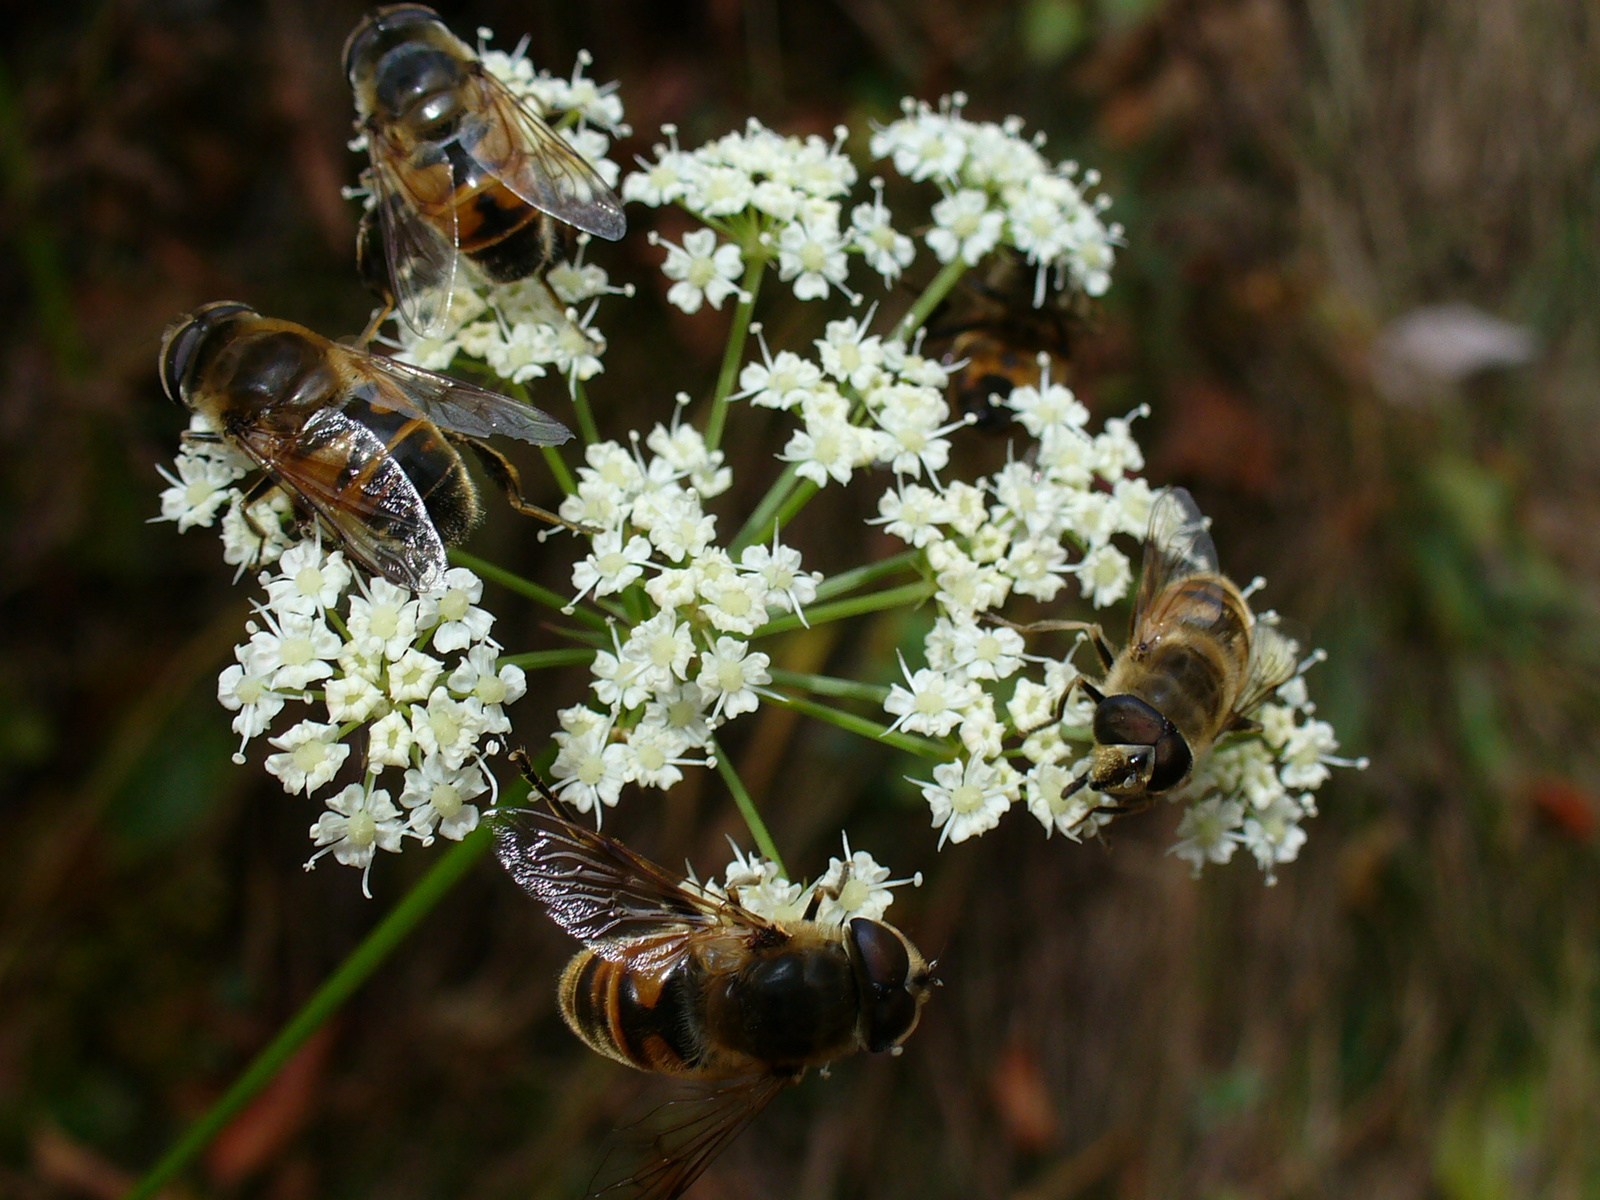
(773, 198)
(862, 401)
(1258, 789)
(202, 489)
(1000, 190)
(684, 666)
(408, 684)
(1027, 529)
(527, 329)
(853, 886)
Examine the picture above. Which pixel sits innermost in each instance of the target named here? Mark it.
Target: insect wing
(1176, 547)
(454, 405)
(509, 141)
(659, 1157)
(604, 894)
(422, 256)
(1274, 655)
(344, 474)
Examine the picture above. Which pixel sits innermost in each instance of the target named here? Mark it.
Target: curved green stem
(558, 468)
(352, 973)
(829, 685)
(910, 743)
(759, 524)
(580, 405)
(747, 807)
(734, 354)
(821, 614)
(848, 581)
(917, 315)
(526, 587)
(535, 660)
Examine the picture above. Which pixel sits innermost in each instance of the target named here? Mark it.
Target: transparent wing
(422, 255)
(1176, 547)
(341, 471)
(659, 1157)
(1274, 655)
(457, 406)
(510, 141)
(604, 894)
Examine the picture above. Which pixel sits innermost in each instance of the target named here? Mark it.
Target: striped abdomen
(1194, 658)
(430, 462)
(641, 1018)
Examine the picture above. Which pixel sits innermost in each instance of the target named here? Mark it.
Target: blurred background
(1358, 293)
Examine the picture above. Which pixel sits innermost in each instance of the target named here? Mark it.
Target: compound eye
(183, 339)
(888, 1009)
(1128, 721)
(1173, 760)
(364, 39)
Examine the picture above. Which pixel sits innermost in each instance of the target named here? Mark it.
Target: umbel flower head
(673, 599)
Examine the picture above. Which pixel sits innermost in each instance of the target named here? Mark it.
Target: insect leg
(378, 318)
(508, 481)
(1097, 636)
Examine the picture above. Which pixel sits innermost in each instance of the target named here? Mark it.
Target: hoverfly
(994, 328)
(680, 982)
(1196, 665)
(362, 443)
(460, 167)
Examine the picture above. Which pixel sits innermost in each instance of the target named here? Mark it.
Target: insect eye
(882, 966)
(183, 339)
(1128, 721)
(1173, 759)
(377, 29)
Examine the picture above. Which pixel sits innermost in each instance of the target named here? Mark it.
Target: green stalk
(821, 614)
(731, 358)
(797, 500)
(351, 974)
(910, 743)
(917, 315)
(558, 468)
(536, 660)
(829, 685)
(747, 807)
(526, 587)
(580, 405)
(848, 581)
(759, 525)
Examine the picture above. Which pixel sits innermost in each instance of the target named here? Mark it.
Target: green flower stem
(910, 743)
(821, 614)
(580, 405)
(535, 660)
(558, 468)
(829, 685)
(754, 266)
(917, 315)
(747, 807)
(759, 526)
(797, 500)
(351, 974)
(848, 581)
(526, 587)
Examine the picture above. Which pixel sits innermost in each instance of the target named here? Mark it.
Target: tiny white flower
(704, 272)
(932, 703)
(357, 824)
(731, 673)
(437, 799)
(1049, 801)
(454, 607)
(386, 614)
(966, 227)
(966, 799)
(389, 741)
(447, 727)
(811, 253)
(856, 886)
(610, 566)
(1207, 832)
(352, 698)
(308, 582)
(311, 756)
(589, 768)
(478, 675)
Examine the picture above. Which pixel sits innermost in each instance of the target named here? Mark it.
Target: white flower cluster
(525, 330)
(1000, 190)
(853, 886)
(684, 665)
(862, 401)
(414, 682)
(1257, 790)
(775, 198)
